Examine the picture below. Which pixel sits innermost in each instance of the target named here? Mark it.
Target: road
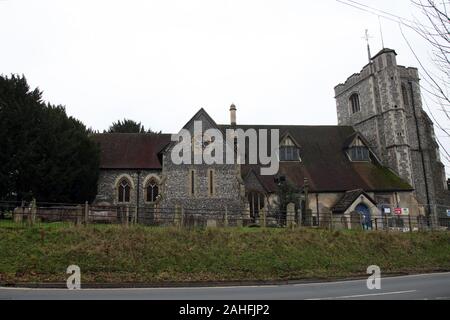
(416, 287)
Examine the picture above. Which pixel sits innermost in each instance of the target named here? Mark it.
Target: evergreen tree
(128, 126)
(44, 154)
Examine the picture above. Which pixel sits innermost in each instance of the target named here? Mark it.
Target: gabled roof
(348, 199)
(190, 123)
(201, 112)
(357, 135)
(130, 150)
(288, 135)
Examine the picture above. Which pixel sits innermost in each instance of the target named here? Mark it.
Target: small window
(354, 103)
(359, 154)
(211, 183)
(124, 191)
(152, 191)
(405, 96)
(192, 182)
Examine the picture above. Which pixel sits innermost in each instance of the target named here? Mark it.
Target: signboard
(448, 212)
(387, 210)
(401, 211)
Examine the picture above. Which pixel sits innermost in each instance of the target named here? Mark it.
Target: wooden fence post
(331, 220)
(263, 221)
(177, 218)
(182, 217)
(33, 212)
(86, 213)
(225, 220)
(290, 215)
(127, 216)
(79, 215)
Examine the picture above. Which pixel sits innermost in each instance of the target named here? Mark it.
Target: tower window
(405, 96)
(124, 191)
(354, 103)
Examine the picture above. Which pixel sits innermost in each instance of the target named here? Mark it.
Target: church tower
(384, 103)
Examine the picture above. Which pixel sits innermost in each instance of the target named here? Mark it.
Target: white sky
(158, 62)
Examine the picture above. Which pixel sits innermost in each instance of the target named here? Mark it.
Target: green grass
(141, 254)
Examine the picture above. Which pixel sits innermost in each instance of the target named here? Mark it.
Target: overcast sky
(158, 62)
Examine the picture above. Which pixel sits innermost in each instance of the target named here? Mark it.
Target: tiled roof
(131, 150)
(325, 163)
(322, 149)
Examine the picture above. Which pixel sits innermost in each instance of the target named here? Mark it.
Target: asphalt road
(415, 287)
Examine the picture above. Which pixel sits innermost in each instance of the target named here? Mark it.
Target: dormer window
(359, 153)
(354, 103)
(289, 150)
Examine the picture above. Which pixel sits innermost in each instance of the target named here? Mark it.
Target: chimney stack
(233, 114)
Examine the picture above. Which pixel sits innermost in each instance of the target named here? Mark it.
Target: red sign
(398, 211)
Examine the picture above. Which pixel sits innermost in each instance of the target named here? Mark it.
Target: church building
(382, 155)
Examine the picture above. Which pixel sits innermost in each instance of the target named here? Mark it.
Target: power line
(388, 13)
(424, 69)
(384, 14)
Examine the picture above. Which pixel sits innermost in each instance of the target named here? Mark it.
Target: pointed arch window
(354, 103)
(123, 191)
(151, 191)
(256, 203)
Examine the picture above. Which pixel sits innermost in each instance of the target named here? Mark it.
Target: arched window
(256, 201)
(354, 103)
(151, 191)
(124, 191)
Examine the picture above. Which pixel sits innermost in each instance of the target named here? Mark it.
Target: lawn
(139, 254)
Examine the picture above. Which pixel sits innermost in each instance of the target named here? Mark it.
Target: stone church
(382, 155)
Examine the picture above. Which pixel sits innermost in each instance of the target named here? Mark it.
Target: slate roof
(322, 149)
(325, 163)
(348, 199)
(131, 150)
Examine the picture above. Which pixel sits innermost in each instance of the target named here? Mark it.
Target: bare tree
(437, 34)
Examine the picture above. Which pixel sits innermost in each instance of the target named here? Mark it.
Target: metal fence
(35, 213)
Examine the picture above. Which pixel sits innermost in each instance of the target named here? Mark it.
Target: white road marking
(236, 287)
(365, 295)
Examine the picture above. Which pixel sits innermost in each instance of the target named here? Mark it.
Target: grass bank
(113, 254)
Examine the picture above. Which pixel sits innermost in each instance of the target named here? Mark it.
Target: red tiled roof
(131, 150)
